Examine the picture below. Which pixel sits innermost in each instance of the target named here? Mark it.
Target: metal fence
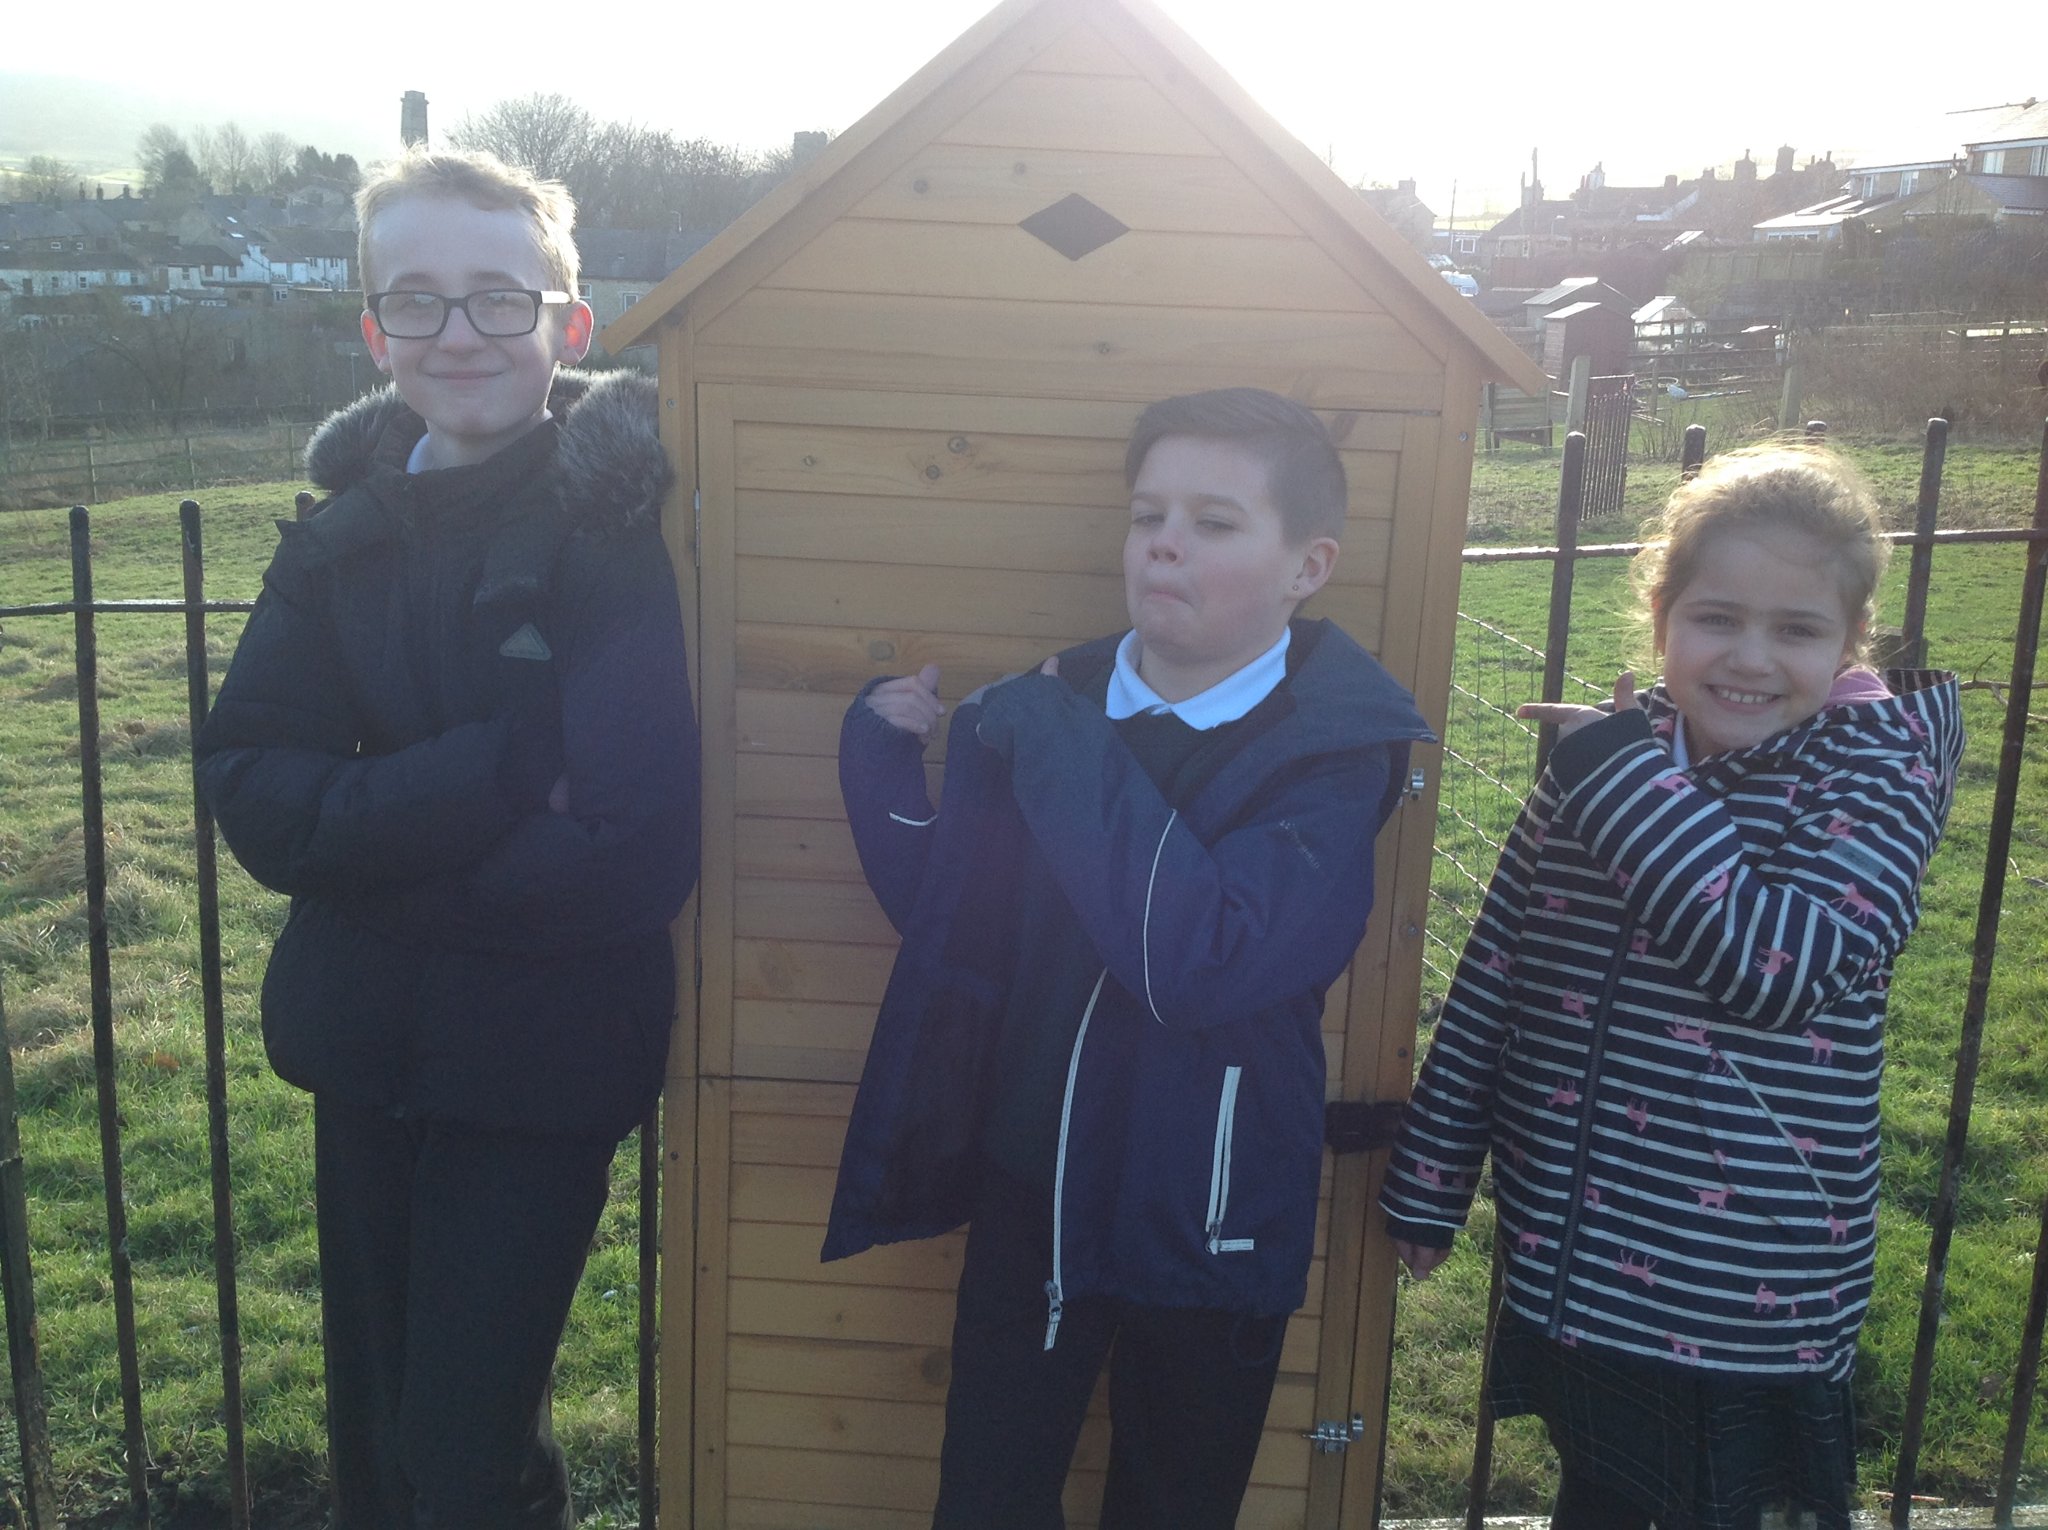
(43, 475)
(1492, 758)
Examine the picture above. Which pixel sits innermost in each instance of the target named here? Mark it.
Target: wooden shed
(900, 388)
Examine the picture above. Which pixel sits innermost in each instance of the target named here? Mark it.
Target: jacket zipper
(1054, 1295)
(1219, 1167)
(1584, 1150)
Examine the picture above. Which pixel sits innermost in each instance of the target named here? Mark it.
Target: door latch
(1331, 1435)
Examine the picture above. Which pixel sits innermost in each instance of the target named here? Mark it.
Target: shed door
(847, 534)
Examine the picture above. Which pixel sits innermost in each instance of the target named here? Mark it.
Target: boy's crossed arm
(307, 813)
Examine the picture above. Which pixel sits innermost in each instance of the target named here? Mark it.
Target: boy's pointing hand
(910, 702)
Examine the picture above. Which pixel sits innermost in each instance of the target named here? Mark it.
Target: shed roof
(1498, 356)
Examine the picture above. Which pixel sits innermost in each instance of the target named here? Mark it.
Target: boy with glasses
(457, 732)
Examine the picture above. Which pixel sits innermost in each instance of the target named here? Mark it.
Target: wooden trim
(676, 1412)
(1432, 615)
(707, 1489)
(717, 580)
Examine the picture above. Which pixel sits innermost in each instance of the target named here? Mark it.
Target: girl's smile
(1752, 644)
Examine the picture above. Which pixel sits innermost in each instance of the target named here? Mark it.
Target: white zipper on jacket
(1055, 1297)
(1145, 935)
(1219, 1168)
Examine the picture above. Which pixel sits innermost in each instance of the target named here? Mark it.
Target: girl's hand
(910, 702)
(1570, 716)
(1420, 1259)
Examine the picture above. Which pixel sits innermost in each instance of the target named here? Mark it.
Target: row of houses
(240, 252)
(1995, 171)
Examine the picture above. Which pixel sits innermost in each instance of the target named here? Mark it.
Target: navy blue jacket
(1191, 1135)
(429, 653)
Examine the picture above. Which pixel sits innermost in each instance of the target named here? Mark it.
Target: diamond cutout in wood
(1074, 226)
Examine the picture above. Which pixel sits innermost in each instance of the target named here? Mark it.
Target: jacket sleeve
(888, 805)
(1200, 933)
(303, 809)
(621, 861)
(1772, 942)
(1447, 1126)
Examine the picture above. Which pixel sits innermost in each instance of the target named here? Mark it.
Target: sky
(1444, 93)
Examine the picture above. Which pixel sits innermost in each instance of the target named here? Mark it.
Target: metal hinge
(1417, 781)
(1332, 1435)
(697, 532)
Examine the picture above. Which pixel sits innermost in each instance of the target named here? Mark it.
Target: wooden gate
(1609, 403)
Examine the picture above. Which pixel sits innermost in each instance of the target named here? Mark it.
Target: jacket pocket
(1219, 1168)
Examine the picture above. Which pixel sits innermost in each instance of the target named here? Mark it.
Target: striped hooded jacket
(1667, 1028)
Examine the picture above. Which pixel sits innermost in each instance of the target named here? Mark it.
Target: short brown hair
(1304, 475)
(1793, 486)
(484, 181)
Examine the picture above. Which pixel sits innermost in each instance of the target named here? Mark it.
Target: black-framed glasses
(501, 313)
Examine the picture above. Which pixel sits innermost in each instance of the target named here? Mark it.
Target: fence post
(1694, 456)
(1570, 501)
(2023, 1378)
(104, 1058)
(1577, 390)
(1792, 395)
(1998, 846)
(92, 477)
(1913, 631)
(191, 468)
(18, 1286)
(206, 874)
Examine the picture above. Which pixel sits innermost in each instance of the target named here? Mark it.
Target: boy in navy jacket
(1101, 1041)
(458, 733)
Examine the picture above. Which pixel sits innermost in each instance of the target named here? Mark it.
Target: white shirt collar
(1225, 701)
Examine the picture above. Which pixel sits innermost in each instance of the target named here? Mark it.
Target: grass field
(43, 967)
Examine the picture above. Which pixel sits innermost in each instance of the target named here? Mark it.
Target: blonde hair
(1787, 487)
(483, 181)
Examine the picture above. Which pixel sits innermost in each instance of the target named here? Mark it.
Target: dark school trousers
(448, 1258)
(1188, 1389)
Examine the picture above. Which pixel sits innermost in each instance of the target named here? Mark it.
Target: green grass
(148, 793)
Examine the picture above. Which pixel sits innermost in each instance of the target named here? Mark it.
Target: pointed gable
(1095, 112)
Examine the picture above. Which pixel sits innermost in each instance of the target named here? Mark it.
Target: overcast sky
(1431, 91)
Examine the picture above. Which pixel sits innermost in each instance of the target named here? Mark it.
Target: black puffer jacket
(430, 654)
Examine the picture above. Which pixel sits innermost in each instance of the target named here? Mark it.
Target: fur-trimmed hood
(609, 469)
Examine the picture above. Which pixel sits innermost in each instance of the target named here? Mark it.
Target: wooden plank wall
(873, 533)
(910, 439)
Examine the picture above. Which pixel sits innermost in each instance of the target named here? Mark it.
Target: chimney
(804, 145)
(1784, 159)
(1670, 185)
(1406, 188)
(412, 118)
(1745, 167)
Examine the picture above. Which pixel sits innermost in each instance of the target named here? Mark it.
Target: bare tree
(225, 156)
(156, 149)
(546, 132)
(43, 179)
(272, 160)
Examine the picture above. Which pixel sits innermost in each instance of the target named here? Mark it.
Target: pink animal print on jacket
(1644, 1270)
